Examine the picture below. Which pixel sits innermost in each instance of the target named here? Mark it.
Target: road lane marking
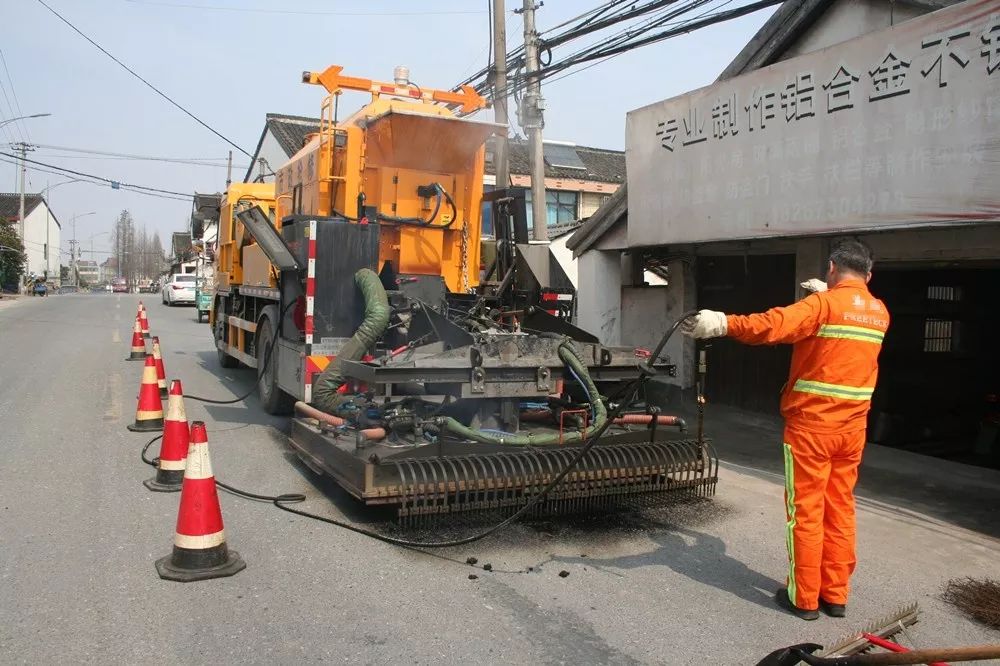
(115, 336)
(113, 397)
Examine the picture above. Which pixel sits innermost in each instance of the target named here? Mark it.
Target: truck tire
(225, 360)
(272, 398)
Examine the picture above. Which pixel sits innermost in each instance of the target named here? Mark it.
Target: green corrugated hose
(569, 356)
(376, 320)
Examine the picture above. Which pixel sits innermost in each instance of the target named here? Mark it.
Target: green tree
(12, 257)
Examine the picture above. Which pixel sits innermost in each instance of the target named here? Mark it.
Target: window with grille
(939, 335)
(938, 293)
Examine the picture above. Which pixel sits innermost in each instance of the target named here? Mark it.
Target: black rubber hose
(376, 319)
(418, 222)
(282, 501)
(268, 353)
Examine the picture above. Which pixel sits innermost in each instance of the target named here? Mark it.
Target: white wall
(565, 258)
(271, 151)
(647, 313)
(35, 240)
(599, 295)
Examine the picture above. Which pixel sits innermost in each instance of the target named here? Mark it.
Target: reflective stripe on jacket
(837, 335)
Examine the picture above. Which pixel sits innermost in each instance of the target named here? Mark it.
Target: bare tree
(156, 253)
(126, 250)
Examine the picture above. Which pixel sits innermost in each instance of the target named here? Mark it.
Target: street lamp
(34, 115)
(48, 209)
(91, 239)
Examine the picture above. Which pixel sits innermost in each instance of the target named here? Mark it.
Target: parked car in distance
(119, 286)
(40, 288)
(179, 289)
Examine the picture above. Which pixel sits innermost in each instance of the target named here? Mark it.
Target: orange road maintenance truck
(353, 286)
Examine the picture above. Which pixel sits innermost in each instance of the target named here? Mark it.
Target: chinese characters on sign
(893, 128)
(942, 56)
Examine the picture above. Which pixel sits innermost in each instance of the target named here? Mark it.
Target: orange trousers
(820, 473)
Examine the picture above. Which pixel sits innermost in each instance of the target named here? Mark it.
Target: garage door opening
(741, 375)
(938, 391)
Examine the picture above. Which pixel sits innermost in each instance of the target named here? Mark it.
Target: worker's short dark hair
(852, 255)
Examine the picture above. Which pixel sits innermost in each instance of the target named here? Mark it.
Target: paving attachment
(886, 627)
(428, 482)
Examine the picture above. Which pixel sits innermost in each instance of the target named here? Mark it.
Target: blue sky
(232, 67)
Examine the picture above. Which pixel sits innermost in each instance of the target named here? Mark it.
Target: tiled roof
(602, 165)
(598, 224)
(291, 131)
(10, 204)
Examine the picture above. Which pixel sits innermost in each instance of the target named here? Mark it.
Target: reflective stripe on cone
(161, 375)
(138, 344)
(149, 410)
(200, 550)
(174, 445)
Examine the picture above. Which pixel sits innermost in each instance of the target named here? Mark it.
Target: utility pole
(532, 120)
(229, 170)
(22, 148)
(501, 156)
(72, 261)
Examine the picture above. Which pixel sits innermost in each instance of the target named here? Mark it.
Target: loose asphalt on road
(79, 534)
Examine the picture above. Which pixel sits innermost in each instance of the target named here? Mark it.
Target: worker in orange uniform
(836, 334)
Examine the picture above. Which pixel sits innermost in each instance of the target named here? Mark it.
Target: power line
(142, 159)
(148, 84)
(87, 153)
(13, 114)
(100, 180)
(300, 12)
(17, 102)
(658, 18)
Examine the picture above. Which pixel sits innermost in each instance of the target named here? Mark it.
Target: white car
(179, 289)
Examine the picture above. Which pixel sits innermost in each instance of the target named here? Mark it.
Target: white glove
(705, 324)
(814, 285)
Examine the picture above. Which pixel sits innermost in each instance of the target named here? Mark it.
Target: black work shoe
(781, 598)
(833, 610)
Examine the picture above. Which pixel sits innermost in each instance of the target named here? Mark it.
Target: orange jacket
(837, 335)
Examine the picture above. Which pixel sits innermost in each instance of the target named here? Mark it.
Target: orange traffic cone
(200, 550)
(142, 320)
(161, 375)
(149, 410)
(174, 445)
(138, 344)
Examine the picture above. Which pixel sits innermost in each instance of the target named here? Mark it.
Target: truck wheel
(225, 360)
(272, 398)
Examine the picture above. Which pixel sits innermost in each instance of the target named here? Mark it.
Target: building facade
(88, 272)
(42, 233)
(109, 270)
(840, 118)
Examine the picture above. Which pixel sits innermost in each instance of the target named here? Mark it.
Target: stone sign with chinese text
(897, 128)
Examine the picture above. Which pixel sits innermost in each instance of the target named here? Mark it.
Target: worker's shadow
(695, 555)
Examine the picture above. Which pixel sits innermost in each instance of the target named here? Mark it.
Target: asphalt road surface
(79, 534)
